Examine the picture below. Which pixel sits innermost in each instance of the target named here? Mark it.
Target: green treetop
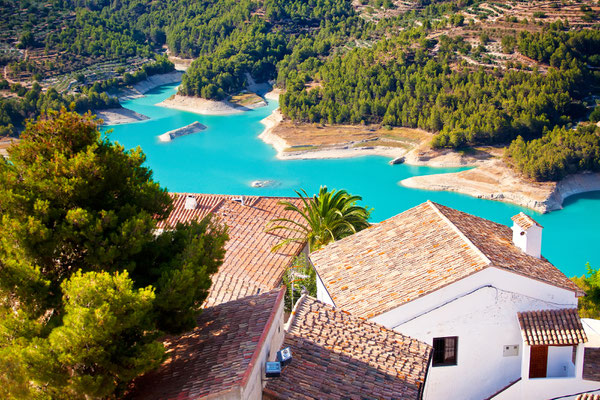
(325, 217)
(87, 284)
(589, 305)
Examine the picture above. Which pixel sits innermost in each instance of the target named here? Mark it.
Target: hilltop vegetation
(393, 84)
(474, 72)
(26, 103)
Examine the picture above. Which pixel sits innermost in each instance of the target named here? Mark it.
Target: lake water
(228, 156)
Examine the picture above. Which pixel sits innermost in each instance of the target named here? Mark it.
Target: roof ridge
(434, 206)
(292, 319)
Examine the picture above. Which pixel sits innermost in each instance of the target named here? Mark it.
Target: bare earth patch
(247, 100)
(5, 143)
(328, 137)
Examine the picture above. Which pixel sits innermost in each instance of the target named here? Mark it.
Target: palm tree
(328, 216)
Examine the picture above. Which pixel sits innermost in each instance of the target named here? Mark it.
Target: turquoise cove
(228, 156)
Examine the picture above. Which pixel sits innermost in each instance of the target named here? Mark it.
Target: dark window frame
(445, 351)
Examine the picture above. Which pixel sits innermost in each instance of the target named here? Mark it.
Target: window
(444, 351)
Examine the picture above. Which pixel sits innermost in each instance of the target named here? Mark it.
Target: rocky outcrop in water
(264, 183)
(194, 127)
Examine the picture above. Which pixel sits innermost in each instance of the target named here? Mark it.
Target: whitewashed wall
(482, 311)
(268, 352)
(322, 293)
(560, 362)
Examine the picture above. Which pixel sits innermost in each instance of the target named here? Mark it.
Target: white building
(471, 288)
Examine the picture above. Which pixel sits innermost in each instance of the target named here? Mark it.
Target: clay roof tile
(552, 327)
(217, 355)
(249, 266)
(418, 252)
(335, 353)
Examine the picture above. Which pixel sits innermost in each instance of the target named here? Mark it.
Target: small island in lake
(194, 127)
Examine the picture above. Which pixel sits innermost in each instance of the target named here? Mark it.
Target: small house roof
(335, 354)
(552, 327)
(216, 356)
(418, 252)
(249, 266)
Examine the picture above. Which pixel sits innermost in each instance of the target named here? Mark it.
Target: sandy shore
(199, 105)
(306, 142)
(5, 143)
(273, 94)
(202, 106)
(267, 134)
(494, 180)
(116, 116)
(490, 178)
(140, 88)
(342, 152)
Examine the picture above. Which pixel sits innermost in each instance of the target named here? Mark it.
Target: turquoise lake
(228, 156)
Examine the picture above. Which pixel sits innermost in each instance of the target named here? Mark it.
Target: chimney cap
(190, 202)
(524, 221)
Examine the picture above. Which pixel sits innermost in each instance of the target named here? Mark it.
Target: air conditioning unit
(284, 356)
(273, 369)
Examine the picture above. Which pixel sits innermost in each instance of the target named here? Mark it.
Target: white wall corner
(528, 240)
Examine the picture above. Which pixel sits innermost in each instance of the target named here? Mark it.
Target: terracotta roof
(216, 356)
(588, 396)
(591, 364)
(417, 252)
(552, 327)
(249, 266)
(524, 221)
(336, 356)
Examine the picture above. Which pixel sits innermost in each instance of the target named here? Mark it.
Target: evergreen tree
(86, 282)
(589, 305)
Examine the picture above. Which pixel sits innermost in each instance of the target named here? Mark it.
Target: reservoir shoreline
(490, 178)
(227, 158)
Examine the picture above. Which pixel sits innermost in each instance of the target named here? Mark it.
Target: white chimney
(527, 235)
(240, 199)
(190, 202)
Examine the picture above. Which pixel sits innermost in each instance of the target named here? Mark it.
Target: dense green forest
(337, 64)
(557, 153)
(398, 83)
(30, 103)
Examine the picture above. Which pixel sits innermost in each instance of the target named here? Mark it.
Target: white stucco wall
(560, 362)
(268, 352)
(548, 388)
(322, 293)
(530, 240)
(482, 311)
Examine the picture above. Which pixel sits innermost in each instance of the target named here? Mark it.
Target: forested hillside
(474, 72)
(400, 82)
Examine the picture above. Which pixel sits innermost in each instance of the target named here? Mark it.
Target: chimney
(241, 200)
(190, 202)
(527, 235)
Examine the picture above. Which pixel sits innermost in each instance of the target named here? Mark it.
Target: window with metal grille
(444, 351)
